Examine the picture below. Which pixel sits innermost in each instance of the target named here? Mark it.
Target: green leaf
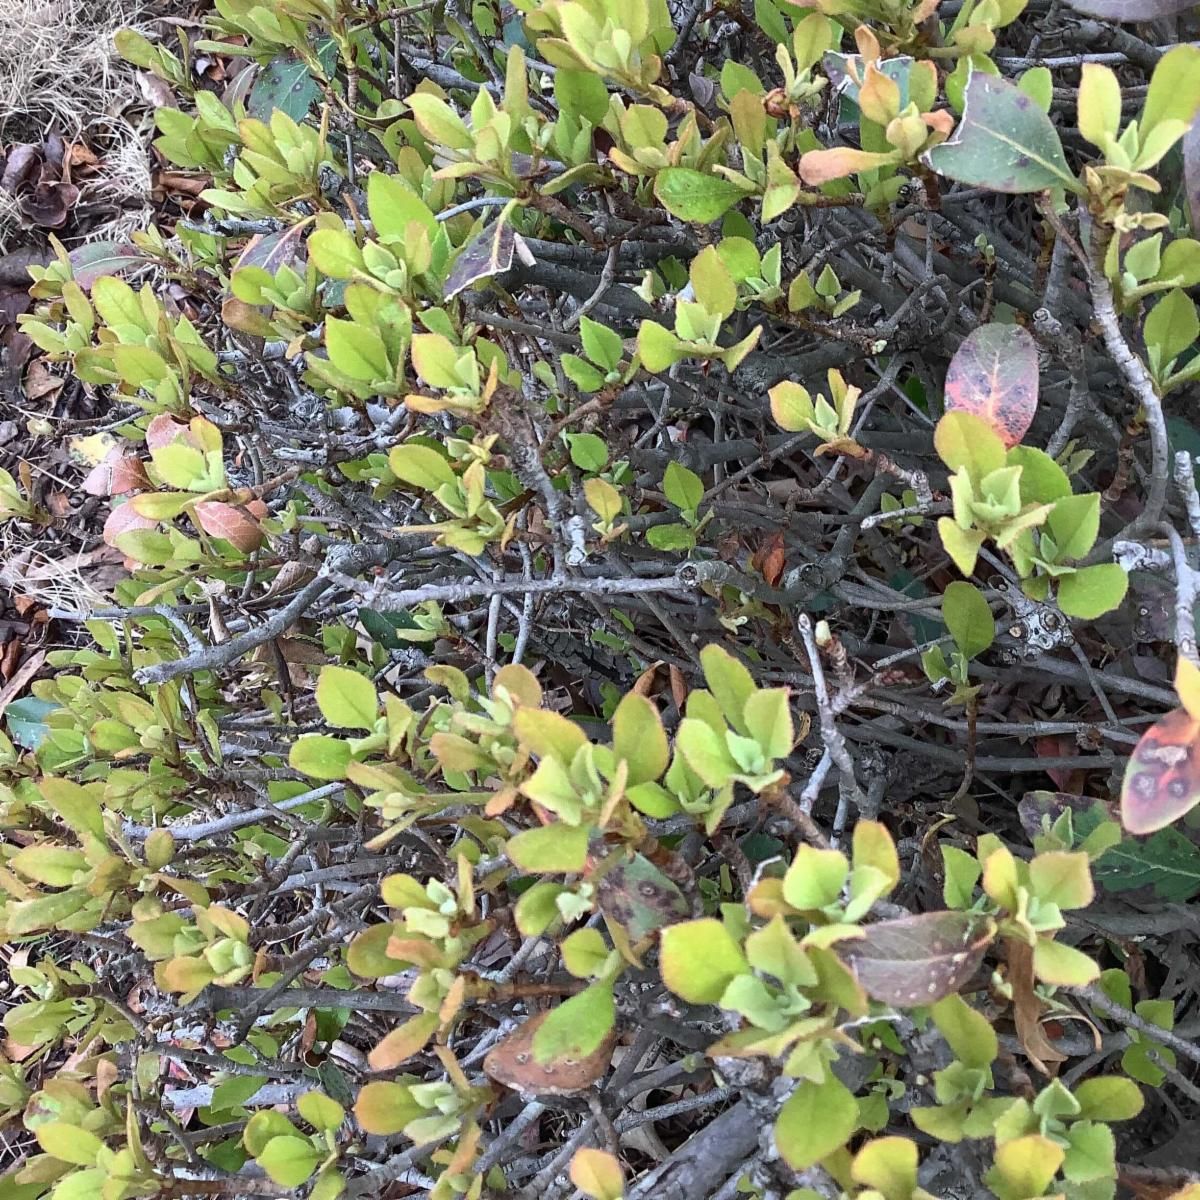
(289, 1161)
(1168, 862)
(889, 1166)
(386, 1108)
(1091, 1153)
(1024, 1167)
(347, 700)
(730, 683)
(968, 618)
(438, 122)
(682, 487)
(602, 345)
(1063, 878)
(699, 959)
(549, 849)
(577, 1027)
(1109, 1098)
(335, 253)
(588, 452)
(1092, 591)
(69, 1143)
(1174, 92)
(1062, 965)
(1171, 328)
(671, 537)
(962, 871)
(769, 721)
(816, 1120)
(356, 350)
(961, 544)
(285, 84)
(658, 348)
(581, 94)
(968, 1033)
(964, 439)
(706, 752)
(320, 757)
(584, 953)
(393, 206)
(1004, 142)
(815, 879)
(1099, 104)
(639, 739)
(420, 467)
(695, 196)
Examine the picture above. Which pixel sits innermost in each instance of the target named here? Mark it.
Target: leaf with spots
(916, 961)
(1004, 142)
(1162, 777)
(994, 375)
(639, 897)
(514, 1064)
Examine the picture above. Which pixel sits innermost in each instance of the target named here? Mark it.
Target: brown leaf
(1027, 1010)
(513, 1064)
(915, 961)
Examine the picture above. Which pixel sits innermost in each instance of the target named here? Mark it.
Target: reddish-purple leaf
(994, 374)
(1162, 777)
(125, 519)
(274, 250)
(97, 259)
(119, 472)
(1131, 10)
(915, 961)
(225, 521)
(163, 430)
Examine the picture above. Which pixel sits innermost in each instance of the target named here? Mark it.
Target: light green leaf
(549, 849)
(968, 618)
(698, 959)
(1092, 591)
(816, 1120)
(682, 487)
(694, 196)
(347, 699)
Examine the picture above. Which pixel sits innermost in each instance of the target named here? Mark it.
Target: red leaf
(232, 524)
(994, 374)
(163, 430)
(1162, 777)
(914, 961)
(118, 473)
(123, 519)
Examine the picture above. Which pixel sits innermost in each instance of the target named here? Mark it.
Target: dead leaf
(513, 1064)
(1027, 1010)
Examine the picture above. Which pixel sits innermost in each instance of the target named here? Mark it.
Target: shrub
(568, 470)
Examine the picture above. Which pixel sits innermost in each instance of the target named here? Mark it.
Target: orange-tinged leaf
(1187, 685)
(994, 374)
(403, 1042)
(229, 522)
(1162, 777)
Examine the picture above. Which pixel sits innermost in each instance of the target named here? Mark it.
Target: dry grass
(59, 71)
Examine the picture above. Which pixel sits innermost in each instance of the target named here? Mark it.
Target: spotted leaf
(917, 960)
(1162, 777)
